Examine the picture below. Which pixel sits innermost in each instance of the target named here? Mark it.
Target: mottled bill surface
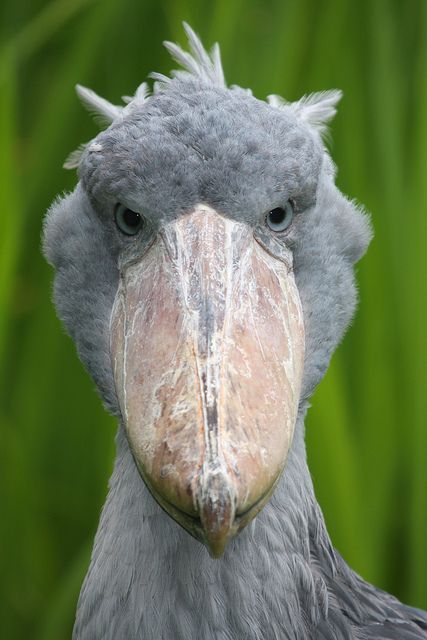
(208, 348)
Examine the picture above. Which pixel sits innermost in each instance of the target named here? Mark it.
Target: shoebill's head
(204, 268)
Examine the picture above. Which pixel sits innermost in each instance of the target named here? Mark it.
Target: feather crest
(198, 63)
(316, 109)
(73, 159)
(140, 95)
(104, 111)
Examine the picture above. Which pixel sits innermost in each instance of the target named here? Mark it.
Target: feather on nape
(316, 109)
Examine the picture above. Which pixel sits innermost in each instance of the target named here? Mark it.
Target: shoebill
(204, 269)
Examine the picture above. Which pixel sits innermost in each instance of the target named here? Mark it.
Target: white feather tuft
(317, 109)
(198, 63)
(139, 97)
(104, 111)
(142, 92)
(161, 81)
(217, 64)
(73, 160)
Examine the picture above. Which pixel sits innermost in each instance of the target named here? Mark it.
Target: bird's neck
(149, 579)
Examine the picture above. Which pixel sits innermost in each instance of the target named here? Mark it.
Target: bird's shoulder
(386, 618)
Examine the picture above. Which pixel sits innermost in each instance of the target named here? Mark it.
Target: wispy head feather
(140, 95)
(104, 111)
(198, 63)
(73, 159)
(316, 109)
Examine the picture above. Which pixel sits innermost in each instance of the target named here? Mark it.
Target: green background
(367, 430)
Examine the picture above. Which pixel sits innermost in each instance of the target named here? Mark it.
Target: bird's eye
(280, 218)
(128, 221)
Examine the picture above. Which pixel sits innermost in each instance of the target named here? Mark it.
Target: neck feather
(149, 579)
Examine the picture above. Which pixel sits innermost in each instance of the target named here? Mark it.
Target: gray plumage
(195, 140)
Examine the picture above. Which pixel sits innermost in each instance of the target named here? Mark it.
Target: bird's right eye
(280, 218)
(129, 222)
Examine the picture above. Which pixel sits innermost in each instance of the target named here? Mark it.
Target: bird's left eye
(280, 218)
(128, 221)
